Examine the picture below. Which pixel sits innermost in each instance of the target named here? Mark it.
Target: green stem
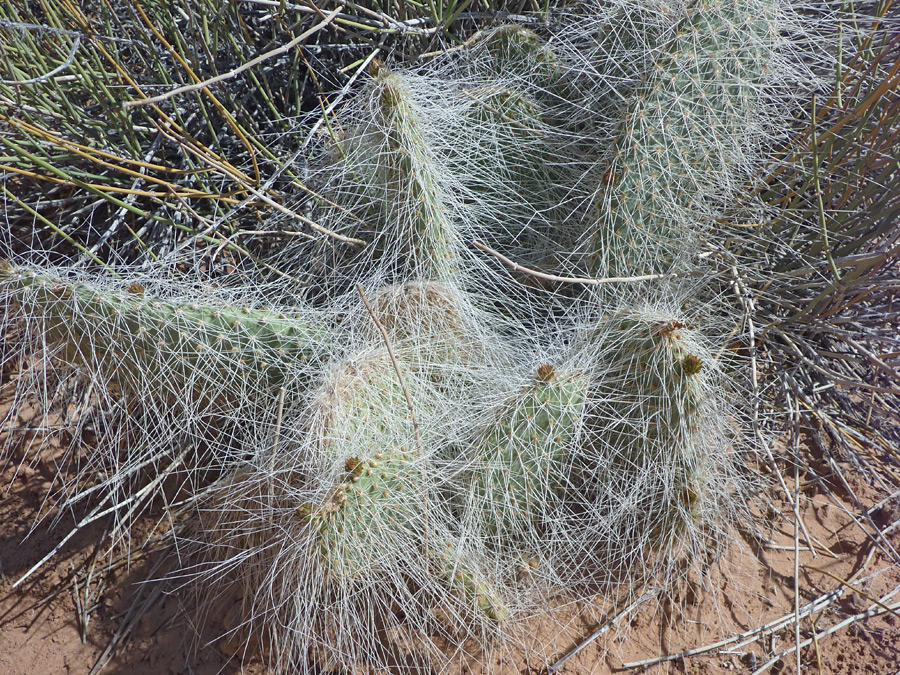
(678, 135)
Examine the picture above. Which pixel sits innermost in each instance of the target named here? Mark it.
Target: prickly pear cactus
(385, 158)
(178, 348)
(385, 496)
(666, 434)
(391, 458)
(380, 499)
(682, 135)
(518, 471)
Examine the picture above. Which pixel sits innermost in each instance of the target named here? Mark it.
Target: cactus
(518, 471)
(520, 52)
(515, 120)
(662, 429)
(682, 135)
(422, 311)
(384, 500)
(390, 162)
(381, 497)
(384, 476)
(139, 342)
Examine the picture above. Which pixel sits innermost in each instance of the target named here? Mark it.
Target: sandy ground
(64, 618)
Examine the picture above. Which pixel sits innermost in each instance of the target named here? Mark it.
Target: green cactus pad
(432, 321)
(377, 508)
(415, 213)
(379, 503)
(518, 467)
(518, 152)
(661, 386)
(525, 158)
(681, 134)
(470, 585)
(382, 504)
(170, 348)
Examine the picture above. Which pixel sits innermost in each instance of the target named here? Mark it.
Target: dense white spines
(659, 463)
(470, 450)
(385, 173)
(176, 348)
(518, 467)
(682, 134)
